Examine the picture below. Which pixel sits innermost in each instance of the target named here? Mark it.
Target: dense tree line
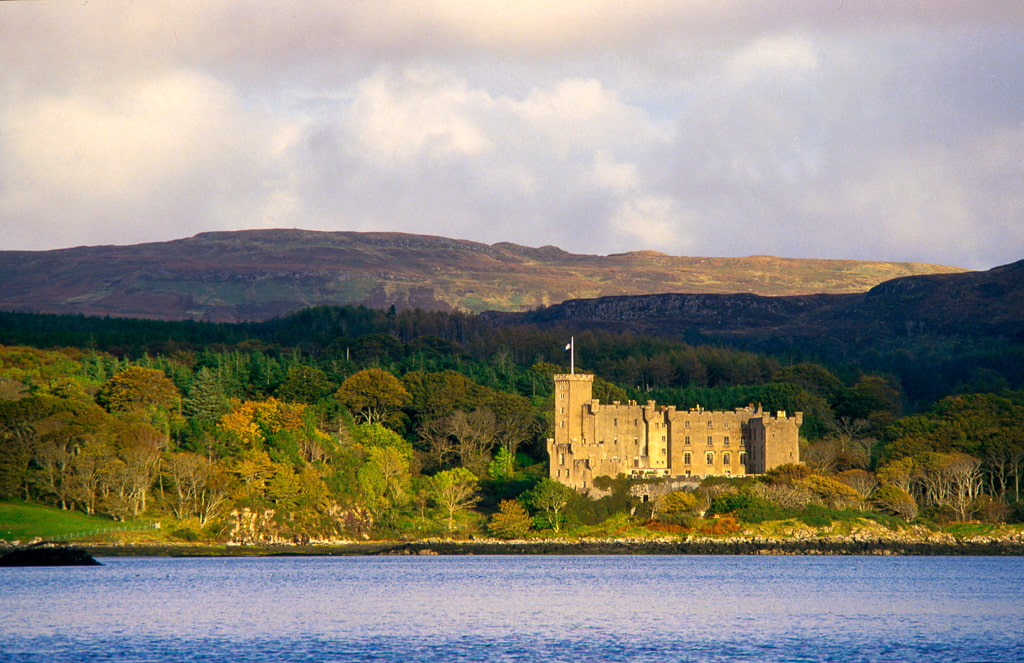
(343, 422)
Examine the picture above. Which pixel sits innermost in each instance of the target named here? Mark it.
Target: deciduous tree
(453, 491)
(373, 395)
(136, 388)
(550, 498)
(511, 521)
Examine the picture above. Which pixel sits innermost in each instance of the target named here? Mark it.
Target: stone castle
(594, 439)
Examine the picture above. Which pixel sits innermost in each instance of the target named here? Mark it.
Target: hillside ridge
(230, 276)
(965, 305)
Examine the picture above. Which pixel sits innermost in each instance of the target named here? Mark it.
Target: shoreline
(569, 547)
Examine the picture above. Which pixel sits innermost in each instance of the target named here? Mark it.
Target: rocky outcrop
(47, 554)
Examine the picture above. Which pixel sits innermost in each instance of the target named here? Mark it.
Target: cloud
(122, 166)
(860, 129)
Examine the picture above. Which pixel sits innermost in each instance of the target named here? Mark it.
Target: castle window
(725, 459)
(710, 458)
(561, 424)
(561, 459)
(615, 421)
(726, 441)
(686, 440)
(664, 439)
(686, 423)
(561, 395)
(743, 458)
(636, 422)
(686, 458)
(711, 440)
(711, 424)
(563, 410)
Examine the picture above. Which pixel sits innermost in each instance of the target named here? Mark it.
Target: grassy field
(20, 522)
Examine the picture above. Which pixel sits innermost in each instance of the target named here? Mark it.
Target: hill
(968, 305)
(260, 274)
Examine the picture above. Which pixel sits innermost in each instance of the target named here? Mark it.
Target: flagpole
(572, 355)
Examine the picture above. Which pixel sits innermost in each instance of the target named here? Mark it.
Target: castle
(594, 439)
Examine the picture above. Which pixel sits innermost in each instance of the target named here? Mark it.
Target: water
(579, 609)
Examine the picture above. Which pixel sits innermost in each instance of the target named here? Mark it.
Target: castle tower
(573, 392)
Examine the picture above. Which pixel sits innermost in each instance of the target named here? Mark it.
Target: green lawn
(20, 522)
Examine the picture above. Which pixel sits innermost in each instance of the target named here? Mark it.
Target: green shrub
(816, 516)
(186, 534)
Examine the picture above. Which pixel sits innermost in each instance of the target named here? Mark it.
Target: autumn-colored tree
(256, 423)
(373, 395)
(680, 506)
(895, 500)
(511, 521)
(136, 388)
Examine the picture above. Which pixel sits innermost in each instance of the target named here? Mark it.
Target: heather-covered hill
(259, 274)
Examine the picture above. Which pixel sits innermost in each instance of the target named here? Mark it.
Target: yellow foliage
(253, 421)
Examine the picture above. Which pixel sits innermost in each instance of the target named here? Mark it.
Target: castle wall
(594, 439)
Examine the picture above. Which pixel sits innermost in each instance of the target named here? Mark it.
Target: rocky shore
(934, 544)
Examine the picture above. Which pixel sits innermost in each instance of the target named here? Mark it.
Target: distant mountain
(970, 305)
(259, 274)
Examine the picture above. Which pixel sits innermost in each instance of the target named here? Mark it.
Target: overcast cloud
(861, 129)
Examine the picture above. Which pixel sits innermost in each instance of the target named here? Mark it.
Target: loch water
(525, 608)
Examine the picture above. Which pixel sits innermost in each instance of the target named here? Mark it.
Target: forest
(347, 423)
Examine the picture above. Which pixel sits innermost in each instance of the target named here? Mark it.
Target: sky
(860, 129)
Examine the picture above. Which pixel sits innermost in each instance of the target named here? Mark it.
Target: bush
(730, 502)
(749, 507)
(816, 516)
(721, 526)
(186, 534)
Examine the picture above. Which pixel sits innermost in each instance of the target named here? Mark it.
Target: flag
(568, 346)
